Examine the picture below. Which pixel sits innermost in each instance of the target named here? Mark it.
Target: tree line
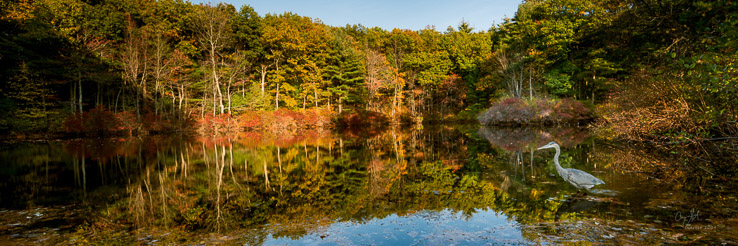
(179, 61)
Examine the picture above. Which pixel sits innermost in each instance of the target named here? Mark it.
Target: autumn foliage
(362, 119)
(516, 111)
(284, 120)
(641, 111)
(363, 122)
(101, 121)
(216, 124)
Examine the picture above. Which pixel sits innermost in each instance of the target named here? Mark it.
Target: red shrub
(511, 101)
(217, 124)
(74, 123)
(280, 120)
(363, 123)
(250, 120)
(156, 123)
(100, 121)
(310, 118)
(284, 120)
(128, 122)
(316, 118)
(97, 121)
(296, 117)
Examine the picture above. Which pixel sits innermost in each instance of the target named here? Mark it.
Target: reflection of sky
(421, 228)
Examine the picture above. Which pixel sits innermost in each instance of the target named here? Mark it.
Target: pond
(437, 185)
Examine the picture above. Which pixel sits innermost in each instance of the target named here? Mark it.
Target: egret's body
(576, 177)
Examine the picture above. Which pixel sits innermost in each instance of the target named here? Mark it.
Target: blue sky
(389, 14)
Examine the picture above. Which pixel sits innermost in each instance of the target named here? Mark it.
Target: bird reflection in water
(573, 205)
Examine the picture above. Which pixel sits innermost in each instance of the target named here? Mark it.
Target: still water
(461, 185)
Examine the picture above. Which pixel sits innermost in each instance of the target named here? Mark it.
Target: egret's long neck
(559, 169)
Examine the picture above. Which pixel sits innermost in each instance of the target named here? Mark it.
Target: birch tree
(212, 27)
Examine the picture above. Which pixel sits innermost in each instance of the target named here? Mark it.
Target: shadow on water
(438, 185)
(574, 205)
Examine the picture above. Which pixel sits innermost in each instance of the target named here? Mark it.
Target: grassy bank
(662, 108)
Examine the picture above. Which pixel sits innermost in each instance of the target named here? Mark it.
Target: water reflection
(527, 138)
(324, 187)
(574, 205)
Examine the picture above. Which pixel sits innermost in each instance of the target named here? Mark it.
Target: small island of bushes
(514, 111)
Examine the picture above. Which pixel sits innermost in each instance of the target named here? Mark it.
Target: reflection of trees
(537, 200)
(529, 193)
(286, 185)
(300, 185)
(520, 174)
(306, 185)
(518, 139)
(690, 176)
(79, 171)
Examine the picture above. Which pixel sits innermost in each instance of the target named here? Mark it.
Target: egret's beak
(543, 147)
